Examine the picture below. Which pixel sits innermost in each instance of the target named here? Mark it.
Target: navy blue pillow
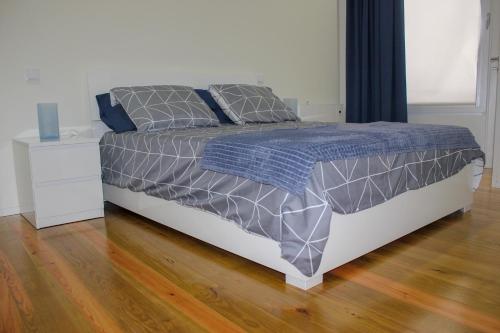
(212, 104)
(114, 116)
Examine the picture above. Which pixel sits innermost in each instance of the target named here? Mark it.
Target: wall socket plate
(32, 75)
(260, 79)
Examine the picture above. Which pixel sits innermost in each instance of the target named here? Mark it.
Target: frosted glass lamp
(48, 121)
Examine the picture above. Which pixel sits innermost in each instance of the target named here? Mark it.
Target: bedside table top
(64, 140)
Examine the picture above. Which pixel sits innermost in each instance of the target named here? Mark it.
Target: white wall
(293, 43)
(495, 52)
(474, 121)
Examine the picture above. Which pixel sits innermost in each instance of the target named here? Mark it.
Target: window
(442, 47)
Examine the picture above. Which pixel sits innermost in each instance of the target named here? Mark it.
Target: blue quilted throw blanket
(285, 158)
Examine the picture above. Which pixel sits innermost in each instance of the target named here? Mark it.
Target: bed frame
(351, 235)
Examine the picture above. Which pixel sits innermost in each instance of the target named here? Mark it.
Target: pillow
(153, 108)
(245, 103)
(114, 117)
(212, 104)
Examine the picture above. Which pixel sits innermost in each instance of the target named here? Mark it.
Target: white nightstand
(58, 181)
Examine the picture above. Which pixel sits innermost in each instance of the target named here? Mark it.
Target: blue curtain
(375, 61)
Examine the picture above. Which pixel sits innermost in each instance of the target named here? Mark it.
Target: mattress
(166, 164)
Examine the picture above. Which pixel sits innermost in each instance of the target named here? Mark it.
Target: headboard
(101, 81)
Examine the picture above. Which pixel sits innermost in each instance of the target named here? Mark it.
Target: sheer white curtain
(442, 43)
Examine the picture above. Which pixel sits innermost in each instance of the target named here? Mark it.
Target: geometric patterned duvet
(165, 164)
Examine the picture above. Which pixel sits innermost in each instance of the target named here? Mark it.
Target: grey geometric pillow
(152, 108)
(244, 103)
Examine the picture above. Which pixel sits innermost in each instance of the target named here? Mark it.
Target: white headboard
(101, 81)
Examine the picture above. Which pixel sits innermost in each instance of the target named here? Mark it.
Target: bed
(158, 176)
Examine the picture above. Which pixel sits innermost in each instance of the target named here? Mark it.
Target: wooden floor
(126, 274)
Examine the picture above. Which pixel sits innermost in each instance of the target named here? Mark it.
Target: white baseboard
(6, 211)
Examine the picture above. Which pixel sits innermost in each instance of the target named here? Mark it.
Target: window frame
(479, 107)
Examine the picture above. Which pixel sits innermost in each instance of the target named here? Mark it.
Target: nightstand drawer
(64, 198)
(65, 162)
(58, 181)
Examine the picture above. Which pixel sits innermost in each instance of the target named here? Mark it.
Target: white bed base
(351, 235)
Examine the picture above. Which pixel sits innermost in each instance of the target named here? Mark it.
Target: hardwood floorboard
(36, 291)
(124, 273)
(53, 263)
(203, 281)
(456, 311)
(373, 311)
(118, 292)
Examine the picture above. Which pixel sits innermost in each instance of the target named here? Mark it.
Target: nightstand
(58, 181)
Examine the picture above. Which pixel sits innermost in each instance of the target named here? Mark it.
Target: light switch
(32, 74)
